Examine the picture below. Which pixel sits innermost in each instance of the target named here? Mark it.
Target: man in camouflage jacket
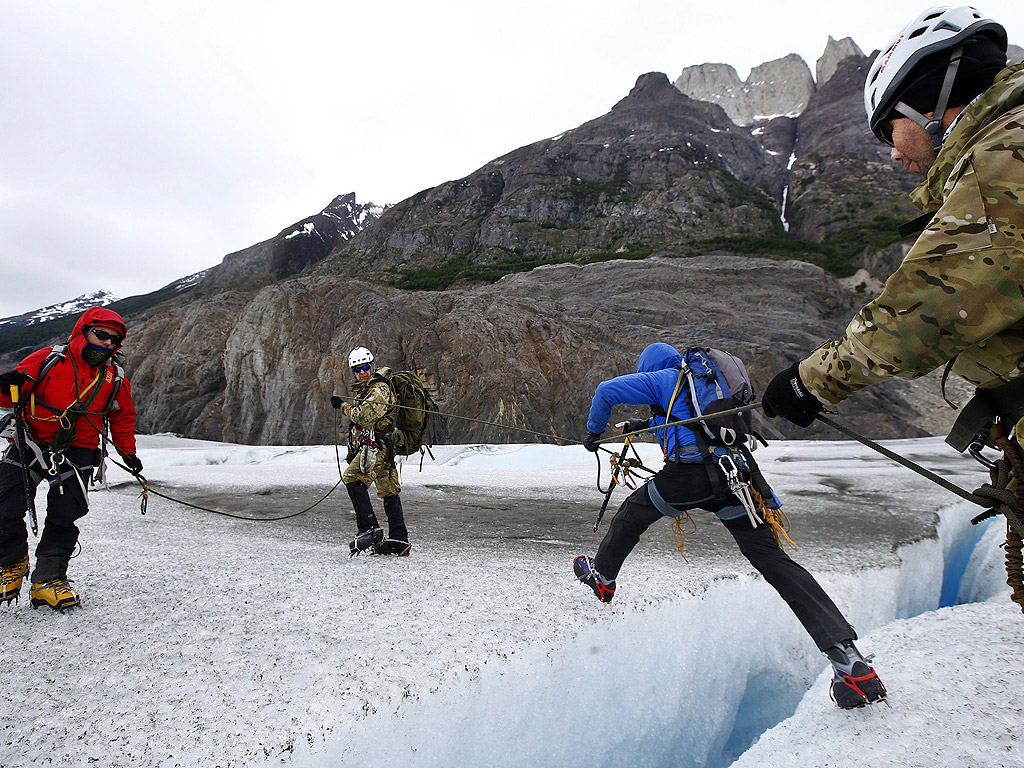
(959, 293)
(371, 457)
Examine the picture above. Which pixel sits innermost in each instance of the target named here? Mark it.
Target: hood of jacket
(95, 316)
(658, 357)
(1004, 95)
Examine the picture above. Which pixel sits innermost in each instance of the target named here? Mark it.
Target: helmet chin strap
(933, 125)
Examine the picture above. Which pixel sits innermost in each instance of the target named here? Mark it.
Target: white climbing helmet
(359, 356)
(942, 28)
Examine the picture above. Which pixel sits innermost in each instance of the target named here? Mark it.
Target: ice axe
(22, 444)
(617, 468)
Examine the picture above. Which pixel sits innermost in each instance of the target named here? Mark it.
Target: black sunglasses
(885, 132)
(361, 368)
(104, 336)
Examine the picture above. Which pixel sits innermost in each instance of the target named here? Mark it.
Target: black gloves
(336, 402)
(786, 396)
(12, 378)
(590, 441)
(132, 462)
(632, 426)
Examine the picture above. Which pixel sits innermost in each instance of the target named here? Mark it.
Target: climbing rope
(679, 534)
(148, 489)
(1013, 546)
(996, 497)
(777, 520)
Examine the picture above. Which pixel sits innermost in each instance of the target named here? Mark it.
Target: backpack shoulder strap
(57, 353)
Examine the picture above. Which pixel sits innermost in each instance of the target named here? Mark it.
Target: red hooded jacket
(62, 386)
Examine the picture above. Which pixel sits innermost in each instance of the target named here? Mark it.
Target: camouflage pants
(384, 473)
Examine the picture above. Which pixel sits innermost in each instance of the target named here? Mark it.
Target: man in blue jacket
(687, 482)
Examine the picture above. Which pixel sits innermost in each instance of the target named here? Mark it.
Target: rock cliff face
(775, 88)
(835, 52)
(526, 351)
(843, 187)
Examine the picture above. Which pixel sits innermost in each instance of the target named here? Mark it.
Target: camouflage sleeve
(959, 285)
(377, 403)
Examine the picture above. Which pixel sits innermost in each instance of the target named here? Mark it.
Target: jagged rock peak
(1014, 54)
(651, 88)
(835, 51)
(779, 87)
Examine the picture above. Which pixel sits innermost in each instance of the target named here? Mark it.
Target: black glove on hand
(787, 397)
(590, 441)
(633, 425)
(133, 463)
(336, 402)
(12, 378)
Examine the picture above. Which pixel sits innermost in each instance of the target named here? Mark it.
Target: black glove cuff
(787, 396)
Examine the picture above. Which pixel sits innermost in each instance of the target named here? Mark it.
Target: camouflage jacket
(375, 404)
(959, 293)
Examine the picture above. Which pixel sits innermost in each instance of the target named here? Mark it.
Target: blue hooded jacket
(657, 375)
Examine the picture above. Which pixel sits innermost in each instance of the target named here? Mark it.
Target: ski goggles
(361, 368)
(104, 336)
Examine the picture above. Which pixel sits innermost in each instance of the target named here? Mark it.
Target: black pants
(687, 486)
(59, 532)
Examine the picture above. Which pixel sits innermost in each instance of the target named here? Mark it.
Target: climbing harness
(622, 467)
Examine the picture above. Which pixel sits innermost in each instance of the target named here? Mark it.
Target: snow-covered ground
(204, 640)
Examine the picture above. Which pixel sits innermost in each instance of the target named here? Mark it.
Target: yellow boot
(56, 593)
(11, 576)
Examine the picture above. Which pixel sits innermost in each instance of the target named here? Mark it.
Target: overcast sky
(142, 141)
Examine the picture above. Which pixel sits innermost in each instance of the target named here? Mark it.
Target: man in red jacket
(67, 396)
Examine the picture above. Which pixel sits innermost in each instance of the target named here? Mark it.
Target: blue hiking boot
(583, 567)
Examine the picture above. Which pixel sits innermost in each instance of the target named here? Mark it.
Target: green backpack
(415, 408)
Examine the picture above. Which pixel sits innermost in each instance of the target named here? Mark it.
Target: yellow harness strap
(671, 402)
(63, 416)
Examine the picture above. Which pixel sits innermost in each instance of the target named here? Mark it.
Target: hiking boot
(583, 567)
(364, 540)
(391, 547)
(11, 576)
(56, 593)
(856, 683)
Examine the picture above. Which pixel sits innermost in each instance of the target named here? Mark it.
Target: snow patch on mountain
(75, 306)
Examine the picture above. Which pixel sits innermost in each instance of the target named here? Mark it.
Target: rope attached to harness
(147, 489)
(1014, 544)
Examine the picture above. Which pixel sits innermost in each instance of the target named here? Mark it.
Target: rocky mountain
(659, 173)
(843, 189)
(291, 250)
(527, 350)
(74, 307)
(514, 290)
(835, 52)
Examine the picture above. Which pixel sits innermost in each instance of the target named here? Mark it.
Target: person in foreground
(941, 96)
(697, 475)
(372, 458)
(69, 395)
